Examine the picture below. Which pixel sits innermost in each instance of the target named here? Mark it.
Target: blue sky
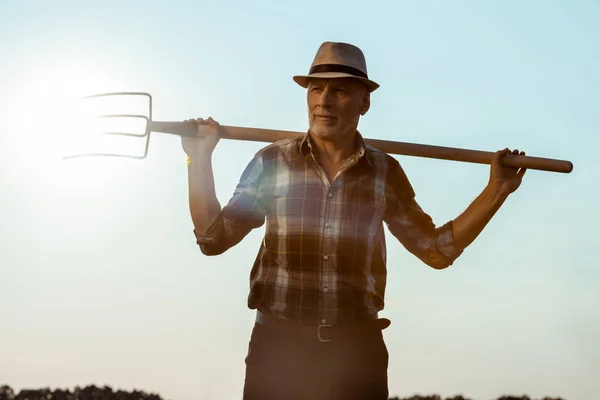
(100, 278)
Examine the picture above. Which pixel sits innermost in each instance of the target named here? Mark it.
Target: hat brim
(302, 80)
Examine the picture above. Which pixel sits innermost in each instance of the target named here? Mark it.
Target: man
(319, 278)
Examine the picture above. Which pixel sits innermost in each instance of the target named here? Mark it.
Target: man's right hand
(209, 132)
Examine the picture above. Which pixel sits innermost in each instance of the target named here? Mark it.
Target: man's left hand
(505, 180)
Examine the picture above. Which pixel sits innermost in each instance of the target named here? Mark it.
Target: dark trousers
(283, 366)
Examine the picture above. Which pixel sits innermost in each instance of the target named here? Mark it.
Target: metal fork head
(147, 118)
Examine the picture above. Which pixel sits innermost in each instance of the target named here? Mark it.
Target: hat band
(337, 68)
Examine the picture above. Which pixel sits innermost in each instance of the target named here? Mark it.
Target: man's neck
(330, 152)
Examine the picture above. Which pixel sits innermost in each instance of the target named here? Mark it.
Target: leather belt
(324, 332)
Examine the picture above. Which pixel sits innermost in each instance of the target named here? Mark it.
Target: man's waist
(324, 332)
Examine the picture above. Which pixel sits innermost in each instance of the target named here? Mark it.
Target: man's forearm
(467, 226)
(203, 202)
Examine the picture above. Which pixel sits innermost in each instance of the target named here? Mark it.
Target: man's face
(335, 106)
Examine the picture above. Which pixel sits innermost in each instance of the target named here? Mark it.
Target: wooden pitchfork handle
(390, 147)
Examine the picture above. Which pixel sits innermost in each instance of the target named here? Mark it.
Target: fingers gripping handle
(537, 163)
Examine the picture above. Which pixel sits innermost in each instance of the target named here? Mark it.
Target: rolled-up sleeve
(246, 210)
(414, 228)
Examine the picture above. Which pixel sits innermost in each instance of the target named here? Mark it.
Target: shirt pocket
(365, 215)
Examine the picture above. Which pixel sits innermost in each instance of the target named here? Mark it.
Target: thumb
(496, 160)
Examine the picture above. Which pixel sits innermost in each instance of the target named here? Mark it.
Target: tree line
(93, 392)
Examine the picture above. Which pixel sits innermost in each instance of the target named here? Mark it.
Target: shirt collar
(362, 151)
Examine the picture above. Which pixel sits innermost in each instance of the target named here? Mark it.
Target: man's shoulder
(390, 167)
(287, 148)
(380, 158)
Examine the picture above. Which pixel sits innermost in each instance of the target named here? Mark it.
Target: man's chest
(304, 201)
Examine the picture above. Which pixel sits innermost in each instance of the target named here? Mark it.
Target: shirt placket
(328, 298)
(333, 208)
(328, 259)
(327, 304)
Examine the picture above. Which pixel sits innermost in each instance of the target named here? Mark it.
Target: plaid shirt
(323, 256)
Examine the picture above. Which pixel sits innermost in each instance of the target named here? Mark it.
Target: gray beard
(325, 132)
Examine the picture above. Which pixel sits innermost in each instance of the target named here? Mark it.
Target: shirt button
(326, 289)
(330, 195)
(327, 225)
(326, 257)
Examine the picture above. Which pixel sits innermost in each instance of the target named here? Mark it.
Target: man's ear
(366, 103)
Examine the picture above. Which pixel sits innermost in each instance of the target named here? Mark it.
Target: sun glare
(50, 120)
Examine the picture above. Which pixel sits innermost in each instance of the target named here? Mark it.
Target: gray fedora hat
(338, 60)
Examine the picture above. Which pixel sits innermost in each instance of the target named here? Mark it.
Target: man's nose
(326, 97)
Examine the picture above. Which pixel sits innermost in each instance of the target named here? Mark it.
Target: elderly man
(319, 278)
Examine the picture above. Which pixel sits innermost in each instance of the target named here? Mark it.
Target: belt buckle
(319, 333)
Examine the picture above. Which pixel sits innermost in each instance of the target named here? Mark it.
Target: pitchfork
(270, 136)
